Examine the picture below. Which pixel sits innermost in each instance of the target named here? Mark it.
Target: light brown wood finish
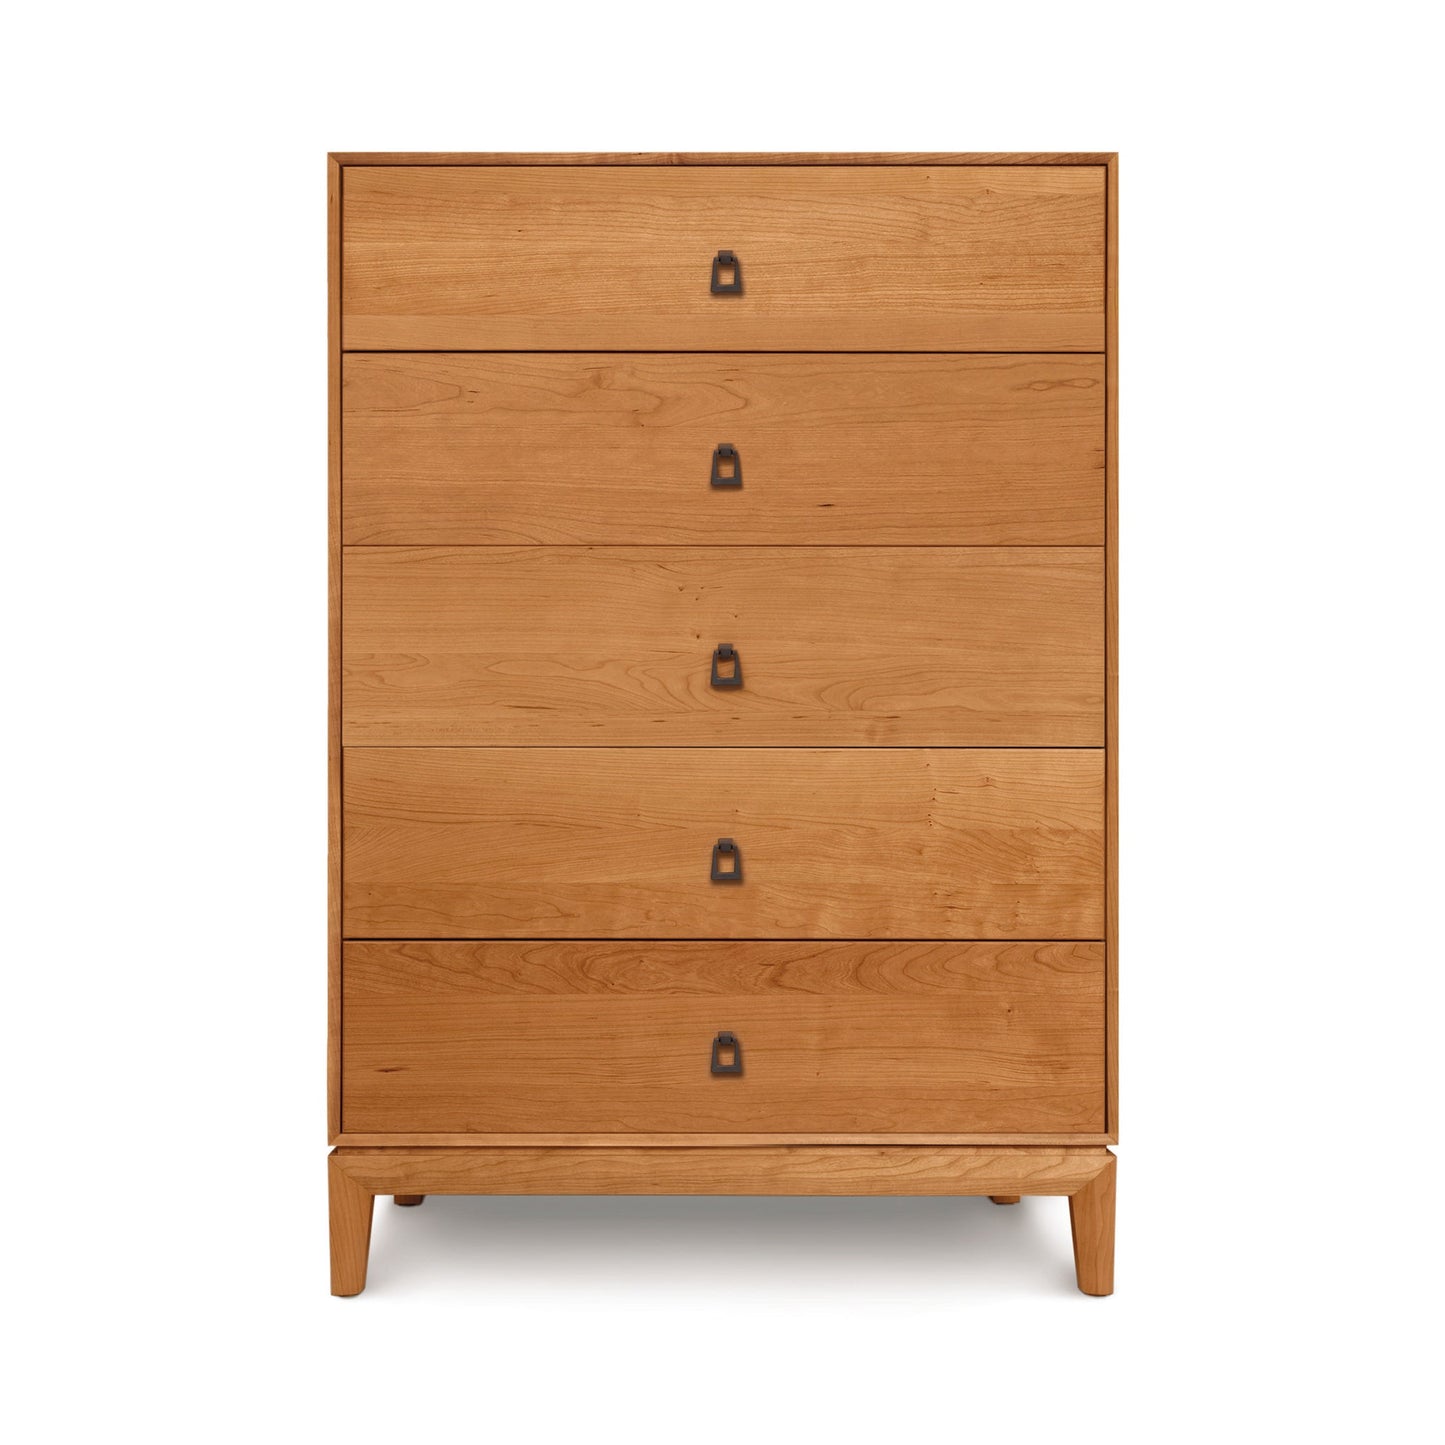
(1095, 1209)
(358, 1139)
(351, 1210)
(844, 1037)
(606, 448)
(333, 650)
(842, 646)
(824, 1170)
(1084, 1175)
(1111, 646)
(833, 258)
(1091, 1216)
(723, 158)
(618, 842)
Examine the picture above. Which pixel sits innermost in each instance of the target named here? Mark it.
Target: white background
(164, 508)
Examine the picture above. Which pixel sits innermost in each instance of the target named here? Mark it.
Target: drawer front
(924, 258)
(622, 843)
(941, 450)
(612, 1038)
(838, 646)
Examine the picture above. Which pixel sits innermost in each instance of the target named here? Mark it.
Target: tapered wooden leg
(350, 1230)
(1085, 1175)
(1091, 1212)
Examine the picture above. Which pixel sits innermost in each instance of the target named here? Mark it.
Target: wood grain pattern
(501, 450)
(1111, 647)
(1086, 1176)
(393, 1139)
(945, 258)
(1091, 1216)
(846, 646)
(616, 1037)
(351, 1211)
(617, 842)
(333, 649)
(607, 448)
(723, 158)
(821, 1170)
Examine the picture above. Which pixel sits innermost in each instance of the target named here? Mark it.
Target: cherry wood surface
(846, 258)
(619, 843)
(508, 448)
(1085, 1175)
(836, 1038)
(843, 646)
(943, 323)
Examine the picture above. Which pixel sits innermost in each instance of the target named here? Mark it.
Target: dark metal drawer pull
(725, 452)
(726, 848)
(725, 655)
(727, 1041)
(726, 261)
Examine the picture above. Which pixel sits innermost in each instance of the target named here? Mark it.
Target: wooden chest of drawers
(723, 680)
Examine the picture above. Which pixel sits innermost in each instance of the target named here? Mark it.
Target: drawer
(917, 258)
(834, 1037)
(622, 842)
(946, 450)
(846, 646)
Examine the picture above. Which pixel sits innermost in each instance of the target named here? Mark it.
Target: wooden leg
(350, 1230)
(1091, 1212)
(408, 1175)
